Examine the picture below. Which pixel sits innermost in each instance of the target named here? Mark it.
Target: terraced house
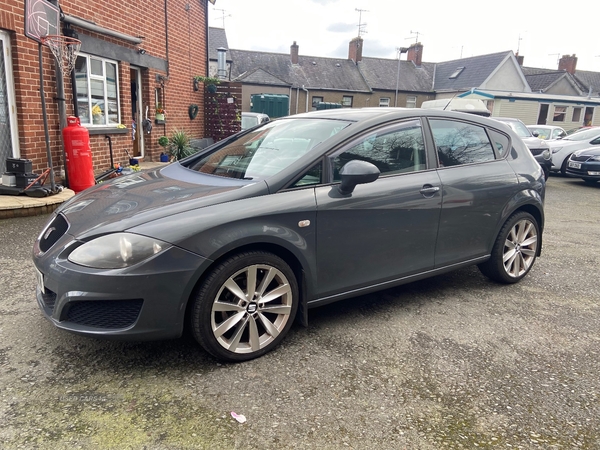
(136, 59)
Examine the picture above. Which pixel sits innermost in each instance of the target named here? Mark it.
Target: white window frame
(384, 102)
(559, 116)
(577, 114)
(411, 101)
(10, 93)
(347, 101)
(89, 122)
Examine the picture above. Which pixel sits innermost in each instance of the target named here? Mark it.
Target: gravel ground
(453, 362)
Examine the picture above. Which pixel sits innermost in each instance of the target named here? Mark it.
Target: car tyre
(515, 249)
(563, 167)
(245, 306)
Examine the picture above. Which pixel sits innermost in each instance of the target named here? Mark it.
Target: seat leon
(239, 240)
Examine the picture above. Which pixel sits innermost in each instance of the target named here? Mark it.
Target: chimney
(294, 52)
(221, 63)
(568, 63)
(520, 59)
(415, 53)
(355, 49)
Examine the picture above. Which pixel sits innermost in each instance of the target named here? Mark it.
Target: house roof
(311, 72)
(217, 38)
(475, 71)
(590, 81)
(384, 74)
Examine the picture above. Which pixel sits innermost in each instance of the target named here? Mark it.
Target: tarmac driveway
(451, 362)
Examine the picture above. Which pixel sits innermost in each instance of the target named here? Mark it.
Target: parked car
(538, 147)
(561, 150)
(240, 239)
(585, 164)
(251, 119)
(547, 132)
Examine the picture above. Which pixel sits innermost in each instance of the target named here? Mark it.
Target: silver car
(239, 240)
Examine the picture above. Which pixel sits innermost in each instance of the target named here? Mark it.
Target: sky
(540, 31)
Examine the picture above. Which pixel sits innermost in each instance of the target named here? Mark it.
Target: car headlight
(556, 149)
(546, 154)
(595, 158)
(115, 251)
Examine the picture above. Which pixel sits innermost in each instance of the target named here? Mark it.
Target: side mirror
(535, 133)
(356, 172)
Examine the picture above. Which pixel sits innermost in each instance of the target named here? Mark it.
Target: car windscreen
(584, 135)
(267, 150)
(521, 130)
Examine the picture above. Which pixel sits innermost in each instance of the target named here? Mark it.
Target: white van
(468, 105)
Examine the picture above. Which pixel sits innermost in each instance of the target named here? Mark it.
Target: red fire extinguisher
(78, 157)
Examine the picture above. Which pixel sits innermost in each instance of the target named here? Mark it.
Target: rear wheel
(515, 249)
(245, 307)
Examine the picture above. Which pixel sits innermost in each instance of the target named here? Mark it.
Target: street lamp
(400, 51)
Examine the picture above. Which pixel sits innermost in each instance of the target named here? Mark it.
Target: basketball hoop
(64, 49)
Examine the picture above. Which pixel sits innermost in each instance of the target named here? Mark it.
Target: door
(9, 141)
(386, 229)
(137, 136)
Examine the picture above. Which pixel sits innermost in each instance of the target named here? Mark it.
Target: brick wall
(184, 24)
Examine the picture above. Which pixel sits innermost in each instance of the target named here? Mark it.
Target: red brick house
(135, 57)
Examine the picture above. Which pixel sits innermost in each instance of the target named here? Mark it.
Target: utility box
(273, 105)
(328, 105)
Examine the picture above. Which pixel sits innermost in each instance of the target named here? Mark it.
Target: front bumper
(145, 301)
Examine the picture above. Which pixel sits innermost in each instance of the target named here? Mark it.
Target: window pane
(96, 67)
(501, 142)
(460, 143)
(576, 115)
(559, 113)
(396, 150)
(98, 104)
(384, 102)
(411, 101)
(81, 85)
(347, 100)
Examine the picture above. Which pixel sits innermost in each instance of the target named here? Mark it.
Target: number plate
(574, 165)
(40, 280)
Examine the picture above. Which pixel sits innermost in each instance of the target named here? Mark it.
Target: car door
(477, 184)
(383, 230)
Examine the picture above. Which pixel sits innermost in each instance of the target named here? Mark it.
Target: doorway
(9, 137)
(135, 75)
(543, 115)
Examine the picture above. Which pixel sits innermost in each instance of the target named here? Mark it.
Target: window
(501, 142)
(347, 101)
(411, 101)
(97, 91)
(311, 177)
(316, 101)
(576, 115)
(456, 73)
(560, 113)
(461, 143)
(384, 102)
(393, 150)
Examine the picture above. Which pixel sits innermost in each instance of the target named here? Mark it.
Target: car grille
(107, 314)
(580, 157)
(53, 232)
(537, 151)
(49, 299)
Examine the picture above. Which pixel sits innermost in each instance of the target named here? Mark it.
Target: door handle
(429, 190)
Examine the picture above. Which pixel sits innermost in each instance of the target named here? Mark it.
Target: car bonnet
(139, 198)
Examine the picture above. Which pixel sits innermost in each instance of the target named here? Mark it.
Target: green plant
(207, 80)
(179, 145)
(163, 141)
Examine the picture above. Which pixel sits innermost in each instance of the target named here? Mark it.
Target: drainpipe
(306, 90)
(290, 103)
(297, 95)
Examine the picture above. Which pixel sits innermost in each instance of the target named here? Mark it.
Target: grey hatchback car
(241, 239)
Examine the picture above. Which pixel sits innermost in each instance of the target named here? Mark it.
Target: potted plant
(163, 141)
(179, 145)
(97, 116)
(160, 112)
(209, 82)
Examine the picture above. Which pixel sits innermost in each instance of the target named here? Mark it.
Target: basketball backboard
(42, 18)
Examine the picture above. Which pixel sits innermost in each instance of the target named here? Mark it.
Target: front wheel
(245, 306)
(515, 249)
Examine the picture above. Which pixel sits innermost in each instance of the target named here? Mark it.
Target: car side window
(460, 143)
(501, 143)
(311, 177)
(393, 150)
